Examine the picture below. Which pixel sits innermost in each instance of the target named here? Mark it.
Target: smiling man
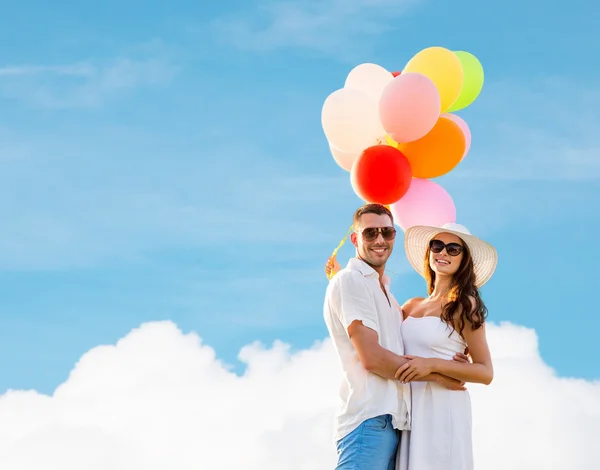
(364, 321)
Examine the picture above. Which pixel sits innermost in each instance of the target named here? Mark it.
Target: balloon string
(330, 274)
(342, 242)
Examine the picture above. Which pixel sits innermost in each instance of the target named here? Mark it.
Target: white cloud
(324, 25)
(86, 84)
(160, 400)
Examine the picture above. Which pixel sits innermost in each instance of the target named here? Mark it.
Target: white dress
(440, 436)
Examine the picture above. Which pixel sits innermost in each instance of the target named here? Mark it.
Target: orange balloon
(437, 152)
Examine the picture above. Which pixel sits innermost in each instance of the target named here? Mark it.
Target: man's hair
(378, 209)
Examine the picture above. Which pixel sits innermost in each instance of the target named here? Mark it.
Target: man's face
(373, 248)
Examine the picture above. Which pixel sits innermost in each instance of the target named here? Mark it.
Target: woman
(455, 264)
(451, 319)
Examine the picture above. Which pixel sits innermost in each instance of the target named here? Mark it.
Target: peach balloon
(438, 152)
(343, 159)
(369, 78)
(350, 120)
(409, 107)
(465, 128)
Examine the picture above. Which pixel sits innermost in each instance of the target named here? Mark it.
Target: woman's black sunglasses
(453, 249)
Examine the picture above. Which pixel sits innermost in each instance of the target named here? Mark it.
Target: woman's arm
(449, 382)
(480, 371)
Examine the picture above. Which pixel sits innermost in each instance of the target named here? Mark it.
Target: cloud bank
(160, 399)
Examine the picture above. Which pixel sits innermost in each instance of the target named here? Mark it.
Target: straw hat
(416, 242)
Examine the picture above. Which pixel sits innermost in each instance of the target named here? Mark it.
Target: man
(364, 321)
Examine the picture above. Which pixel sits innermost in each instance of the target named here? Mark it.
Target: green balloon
(472, 82)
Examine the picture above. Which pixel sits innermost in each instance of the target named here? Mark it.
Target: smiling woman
(451, 320)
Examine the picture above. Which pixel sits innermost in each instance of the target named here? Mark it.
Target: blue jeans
(371, 446)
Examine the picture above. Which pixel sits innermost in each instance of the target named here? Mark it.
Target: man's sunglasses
(453, 249)
(371, 233)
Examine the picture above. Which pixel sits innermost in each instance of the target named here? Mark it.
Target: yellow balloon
(391, 142)
(442, 67)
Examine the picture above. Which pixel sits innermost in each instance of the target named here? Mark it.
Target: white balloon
(350, 120)
(370, 79)
(344, 159)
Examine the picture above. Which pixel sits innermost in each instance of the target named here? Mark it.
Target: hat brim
(416, 242)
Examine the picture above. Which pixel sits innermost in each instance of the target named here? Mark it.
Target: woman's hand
(332, 267)
(416, 368)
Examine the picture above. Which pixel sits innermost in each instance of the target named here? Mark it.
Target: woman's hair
(465, 304)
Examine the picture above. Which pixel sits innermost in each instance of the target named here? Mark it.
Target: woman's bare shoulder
(410, 304)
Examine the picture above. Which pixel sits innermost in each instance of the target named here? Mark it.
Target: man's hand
(416, 368)
(332, 267)
(460, 357)
(450, 383)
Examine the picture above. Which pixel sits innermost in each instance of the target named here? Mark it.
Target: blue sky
(168, 162)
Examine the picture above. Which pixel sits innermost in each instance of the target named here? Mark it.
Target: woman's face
(445, 254)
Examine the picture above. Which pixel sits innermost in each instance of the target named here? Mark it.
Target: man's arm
(481, 370)
(385, 363)
(371, 354)
(358, 315)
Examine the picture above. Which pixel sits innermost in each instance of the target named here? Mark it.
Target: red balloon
(395, 74)
(381, 174)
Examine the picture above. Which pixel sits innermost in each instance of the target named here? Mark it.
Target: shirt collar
(366, 270)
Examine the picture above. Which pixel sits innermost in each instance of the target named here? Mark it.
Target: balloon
(409, 107)
(473, 80)
(425, 203)
(444, 69)
(465, 128)
(390, 141)
(350, 121)
(438, 152)
(371, 79)
(343, 159)
(381, 174)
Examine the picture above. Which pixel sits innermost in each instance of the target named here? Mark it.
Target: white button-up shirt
(355, 293)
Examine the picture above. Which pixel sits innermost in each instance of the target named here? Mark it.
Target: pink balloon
(409, 107)
(465, 128)
(425, 203)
